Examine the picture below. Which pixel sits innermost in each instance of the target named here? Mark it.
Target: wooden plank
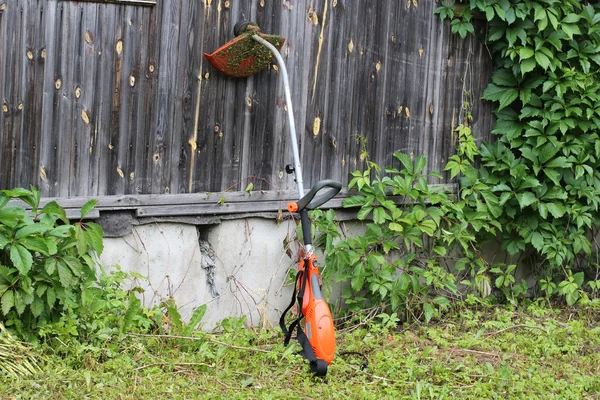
(145, 157)
(138, 139)
(130, 97)
(118, 134)
(38, 15)
(8, 102)
(24, 144)
(16, 95)
(177, 179)
(165, 137)
(99, 87)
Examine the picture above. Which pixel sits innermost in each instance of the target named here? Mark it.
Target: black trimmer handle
(311, 200)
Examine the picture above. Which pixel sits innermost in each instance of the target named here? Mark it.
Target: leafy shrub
(106, 313)
(51, 284)
(45, 261)
(420, 239)
(544, 167)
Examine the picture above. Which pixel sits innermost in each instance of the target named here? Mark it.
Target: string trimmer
(248, 53)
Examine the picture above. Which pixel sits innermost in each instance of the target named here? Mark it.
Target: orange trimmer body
(318, 326)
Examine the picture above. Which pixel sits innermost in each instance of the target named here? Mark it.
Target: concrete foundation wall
(247, 275)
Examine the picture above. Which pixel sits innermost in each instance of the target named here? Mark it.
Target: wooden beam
(124, 2)
(199, 204)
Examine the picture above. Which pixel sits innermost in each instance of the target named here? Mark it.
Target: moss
(245, 56)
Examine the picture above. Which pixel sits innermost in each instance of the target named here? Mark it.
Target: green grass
(474, 353)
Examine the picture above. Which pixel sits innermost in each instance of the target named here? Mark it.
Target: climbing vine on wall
(544, 165)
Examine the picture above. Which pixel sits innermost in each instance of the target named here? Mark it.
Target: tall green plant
(544, 166)
(420, 240)
(45, 261)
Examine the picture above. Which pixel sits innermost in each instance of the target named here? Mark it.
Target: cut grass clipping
(16, 358)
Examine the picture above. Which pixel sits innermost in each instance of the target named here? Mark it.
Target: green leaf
(428, 311)
(379, 215)
(21, 258)
(440, 250)
(525, 199)
(420, 163)
(489, 13)
(396, 227)
(195, 319)
(540, 12)
(87, 207)
(556, 209)
(405, 160)
(93, 234)
(62, 231)
(50, 265)
(578, 278)
(570, 19)
(4, 240)
(35, 244)
(363, 213)
(132, 310)
(504, 77)
(525, 53)
(570, 30)
(428, 227)
(510, 16)
(50, 297)
(82, 244)
(553, 175)
(511, 36)
(496, 33)
(558, 162)
(8, 301)
(65, 275)
(54, 209)
(354, 201)
(74, 264)
(31, 230)
(442, 301)
(504, 95)
(537, 240)
(542, 60)
(527, 65)
(500, 12)
(37, 307)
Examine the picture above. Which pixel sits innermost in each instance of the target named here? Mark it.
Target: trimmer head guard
(244, 56)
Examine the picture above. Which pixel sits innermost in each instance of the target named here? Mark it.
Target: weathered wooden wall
(107, 99)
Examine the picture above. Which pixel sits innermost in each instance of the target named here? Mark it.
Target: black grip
(311, 200)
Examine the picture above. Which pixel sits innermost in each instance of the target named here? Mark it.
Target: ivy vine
(544, 165)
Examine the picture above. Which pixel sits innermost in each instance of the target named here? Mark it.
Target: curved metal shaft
(288, 101)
